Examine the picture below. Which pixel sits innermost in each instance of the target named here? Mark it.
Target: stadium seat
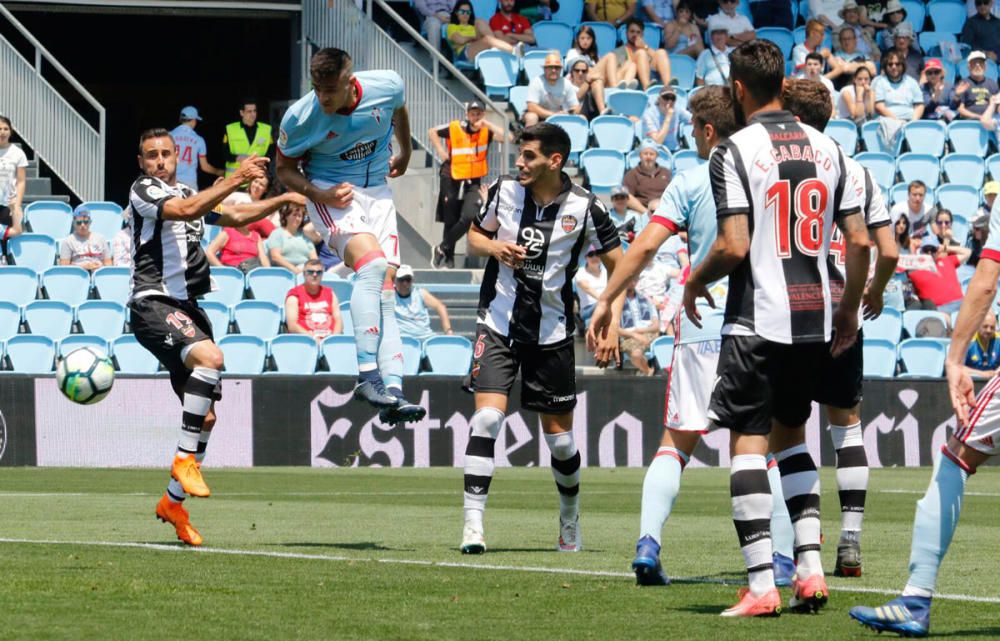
(31, 354)
(961, 200)
(686, 159)
(964, 169)
(915, 13)
(518, 99)
(258, 318)
(993, 165)
(484, 8)
(873, 141)
(342, 289)
(219, 315)
(628, 103)
(924, 167)
(605, 168)
(449, 355)
(294, 353)
(969, 137)
(113, 283)
(652, 34)
(499, 70)
(929, 40)
(947, 15)
(604, 35)
(912, 319)
(962, 69)
(900, 192)
(50, 318)
(781, 37)
(960, 229)
(570, 12)
(270, 284)
(341, 355)
(614, 132)
(577, 128)
(131, 357)
(926, 136)
(10, 319)
(18, 284)
(550, 35)
(682, 67)
(663, 351)
(243, 354)
(882, 166)
(533, 63)
(888, 326)
(36, 251)
(68, 283)
(104, 318)
(845, 133)
(413, 354)
(663, 158)
(105, 217)
(49, 217)
(879, 356)
(922, 357)
(228, 283)
(74, 342)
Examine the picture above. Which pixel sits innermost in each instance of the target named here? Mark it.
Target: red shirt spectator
(941, 287)
(234, 246)
(312, 308)
(508, 21)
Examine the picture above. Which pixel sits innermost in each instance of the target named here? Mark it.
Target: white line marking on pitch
(967, 493)
(444, 564)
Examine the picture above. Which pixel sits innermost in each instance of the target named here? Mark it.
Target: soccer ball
(85, 375)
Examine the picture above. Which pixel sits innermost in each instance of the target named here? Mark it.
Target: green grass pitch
(372, 554)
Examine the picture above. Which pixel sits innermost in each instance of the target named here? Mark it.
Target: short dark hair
(947, 212)
(809, 100)
(552, 139)
(812, 55)
(315, 262)
(328, 64)
(714, 104)
(248, 100)
(155, 132)
(760, 66)
(916, 183)
(633, 20)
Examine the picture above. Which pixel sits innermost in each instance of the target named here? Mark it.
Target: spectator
(312, 308)
(584, 47)
(411, 307)
(703, 9)
(602, 72)
(636, 59)
(982, 31)
(13, 179)
(639, 326)
(981, 225)
(84, 248)
(851, 13)
(991, 116)
(815, 33)
(902, 226)
(903, 42)
(191, 150)
(814, 71)
(848, 59)
(238, 247)
(712, 67)
(660, 12)
(939, 289)
(971, 9)
(434, 14)
(287, 246)
(898, 98)
(872, 14)
(827, 12)
(588, 93)
(459, 198)
(893, 16)
(739, 26)
(617, 12)
(511, 27)
(121, 244)
(973, 94)
(682, 36)
(550, 93)
(983, 358)
(647, 180)
(662, 120)
(771, 13)
(626, 220)
(939, 95)
(943, 227)
(468, 36)
(246, 136)
(857, 100)
(916, 209)
(590, 283)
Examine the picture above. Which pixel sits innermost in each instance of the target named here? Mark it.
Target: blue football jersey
(350, 147)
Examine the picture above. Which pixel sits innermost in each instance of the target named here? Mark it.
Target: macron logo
(476, 489)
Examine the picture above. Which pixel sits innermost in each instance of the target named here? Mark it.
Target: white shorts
(983, 430)
(689, 385)
(371, 212)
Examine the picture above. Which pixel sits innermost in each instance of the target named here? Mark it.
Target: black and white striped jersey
(534, 303)
(791, 182)
(167, 258)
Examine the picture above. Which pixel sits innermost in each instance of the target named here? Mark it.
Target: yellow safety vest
(468, 151)
(240, 147)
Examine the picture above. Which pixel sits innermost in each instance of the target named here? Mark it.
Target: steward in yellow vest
(246, 137)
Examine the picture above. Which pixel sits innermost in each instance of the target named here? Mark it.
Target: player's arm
(979, 296)
(200, 204)
(604, 341)
(481, 243)
(399, 162)
(856, 261)
(439, 308)
(246, 213)
(885, 267)
(287, 169)
(731, 246)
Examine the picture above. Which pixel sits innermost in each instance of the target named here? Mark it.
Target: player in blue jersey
(340, 134)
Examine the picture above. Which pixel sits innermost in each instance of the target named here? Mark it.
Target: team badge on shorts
(181, 322)
(568, 223)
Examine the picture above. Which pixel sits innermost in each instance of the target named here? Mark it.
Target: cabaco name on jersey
(804, 153)
(360, 151)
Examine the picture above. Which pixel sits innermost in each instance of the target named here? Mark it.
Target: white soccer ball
(85, 375)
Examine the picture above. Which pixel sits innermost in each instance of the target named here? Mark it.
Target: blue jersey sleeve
(673, 208)
(293, 135)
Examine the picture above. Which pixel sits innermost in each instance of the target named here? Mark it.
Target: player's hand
(961, 391)
(339, 196)
(293, 198)
(599, 321)
(398, 164)
(845, 327)
(871, 304)
(510, 254)
(692, 292)
(606, 351)
(252, 167)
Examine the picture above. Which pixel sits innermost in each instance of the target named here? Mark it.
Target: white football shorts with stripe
(689, 385)
(371, 212)
(983, 430)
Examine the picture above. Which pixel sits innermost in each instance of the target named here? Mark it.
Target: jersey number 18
(810, 201)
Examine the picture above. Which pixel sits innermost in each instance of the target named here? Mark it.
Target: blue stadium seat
(518, 99)
(105, 217)
(18, 284)
(613, 132)
(962, 69)
(342, 289)
(926, 136)
(947, 15)
(628, 103)
(960, 229)
(781, 37)
(341, 355)
(682, 67)
(243, 354)
(36, 251)
(605, 36)
(133, 358)
(50, 318)
(74, 342)
(922, 357)
(968, 137)
(964, 169)
(294, 353)
(449, 355)
(551, 35)
(31, 354)
(230, 283)
(10, 319)
(533, 63)
(925, 167)
(900, 191)
(49, 217)
(961, 200)
(570, 12)
(605, 168)
(104, 318)
(413, 354)
(913, 317)
(873, 141)
(113, 283)
(663, 158)
(882, 166)
(68, 283)
(499, 70)
(993, 165)
(915, 13)
(219, 316)
(663, 351)
(929, 40)
(652, 34)
(879, 356)
(484, 8)
(845, 133)
(578, 129)
(270, 284)
(888, 326)
(258, 318)
(345, 318)
(686, 159)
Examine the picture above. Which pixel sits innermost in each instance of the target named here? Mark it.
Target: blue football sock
(390, 347)
(782, 532)
(366, 312)
(659, 490)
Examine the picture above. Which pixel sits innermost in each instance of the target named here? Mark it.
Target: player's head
(712, 116)
(756, 74)
(158, 155)
(542, 152)
(814, 64)
(248, 111)
(6, 129)
(809, 100)
(331, 72)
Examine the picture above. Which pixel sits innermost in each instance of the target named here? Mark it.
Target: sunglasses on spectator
(556, 67)
(81, 221)
(583, 70)
(464, 12)
(946, 223)
(931, 72)
(314, 272)
(408, 279)
(894, 64)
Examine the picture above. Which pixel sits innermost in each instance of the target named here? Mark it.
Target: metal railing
(341, 24)
(48, 123)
